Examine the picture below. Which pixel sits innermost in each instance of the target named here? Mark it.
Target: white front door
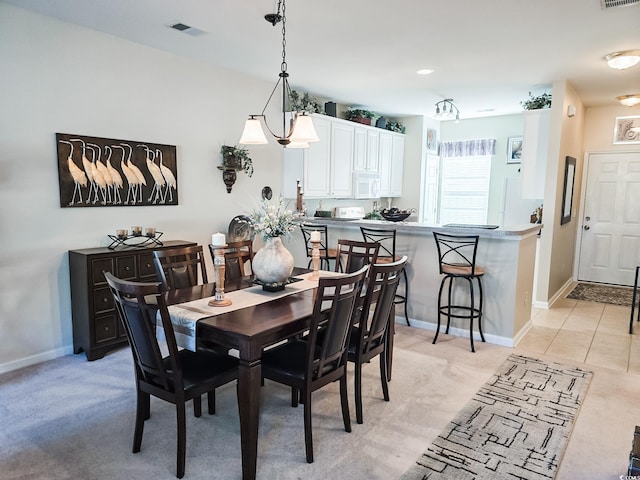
(610, 243)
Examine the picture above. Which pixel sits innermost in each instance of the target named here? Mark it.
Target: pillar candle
(218, 240)
(315, 236)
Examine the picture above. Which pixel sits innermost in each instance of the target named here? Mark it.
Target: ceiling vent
(188, 29)
(617, 3)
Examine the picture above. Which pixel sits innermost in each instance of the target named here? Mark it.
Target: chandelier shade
(298, 129)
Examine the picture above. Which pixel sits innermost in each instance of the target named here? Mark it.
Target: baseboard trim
(35, 359)
(459, 332)
(563, 292)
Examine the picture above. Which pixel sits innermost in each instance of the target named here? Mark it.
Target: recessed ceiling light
(623, 59)
(424, 71)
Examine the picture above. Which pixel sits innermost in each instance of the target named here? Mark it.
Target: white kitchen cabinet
(391, 163)
(535, 143)
(341, 160)
(359, 149)
(326, 168)
(397, 165)
(366, 145)
(317, 162)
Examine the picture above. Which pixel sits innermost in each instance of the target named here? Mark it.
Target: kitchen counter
(517, 231)
(507, 255)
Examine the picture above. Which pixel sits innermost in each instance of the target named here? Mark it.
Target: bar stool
(326, 253)
(387, 240)
(457, 257)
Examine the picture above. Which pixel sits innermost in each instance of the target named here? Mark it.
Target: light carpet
(516, 427)
(611, 294)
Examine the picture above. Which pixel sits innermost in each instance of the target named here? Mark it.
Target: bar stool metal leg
(633, 301)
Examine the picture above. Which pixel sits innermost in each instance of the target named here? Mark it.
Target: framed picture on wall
(432, 140)
(514, 150)
(627, 130)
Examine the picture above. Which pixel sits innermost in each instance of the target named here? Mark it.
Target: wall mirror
(567, 191)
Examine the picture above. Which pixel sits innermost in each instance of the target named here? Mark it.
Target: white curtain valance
(468, 148)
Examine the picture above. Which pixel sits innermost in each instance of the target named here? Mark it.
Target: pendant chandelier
(446, 108)
(298, 130)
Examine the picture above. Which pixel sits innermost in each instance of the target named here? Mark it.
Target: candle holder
(123, 239)
(219, 268)
(315, 258)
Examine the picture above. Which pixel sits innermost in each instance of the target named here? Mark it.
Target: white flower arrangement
(274, 220)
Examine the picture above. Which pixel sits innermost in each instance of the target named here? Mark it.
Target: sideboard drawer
(98, 266)
(126, 268)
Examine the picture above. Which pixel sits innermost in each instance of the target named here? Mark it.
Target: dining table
(249, 330)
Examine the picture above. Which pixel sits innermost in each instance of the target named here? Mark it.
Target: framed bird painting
(107, 172)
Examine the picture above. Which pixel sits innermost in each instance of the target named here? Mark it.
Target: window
(465, 169)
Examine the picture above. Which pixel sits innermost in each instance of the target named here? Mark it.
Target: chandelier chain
(283, 66)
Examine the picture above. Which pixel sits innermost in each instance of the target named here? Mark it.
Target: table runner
(184, 316)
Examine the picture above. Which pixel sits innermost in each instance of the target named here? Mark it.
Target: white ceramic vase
(273, 263)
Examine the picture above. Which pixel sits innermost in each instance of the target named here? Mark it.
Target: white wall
(58, 77)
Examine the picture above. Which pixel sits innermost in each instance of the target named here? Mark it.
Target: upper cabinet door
(360, 156)
(386, 143)
(373, 148)
(317, 161)
(342, 137)
(397, 165)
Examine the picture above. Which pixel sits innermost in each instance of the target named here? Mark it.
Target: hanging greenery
(538, 102)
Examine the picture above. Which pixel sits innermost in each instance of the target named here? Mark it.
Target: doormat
(593, 292)
(516, 426)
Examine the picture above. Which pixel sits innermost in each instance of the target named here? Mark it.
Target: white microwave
(366, 185)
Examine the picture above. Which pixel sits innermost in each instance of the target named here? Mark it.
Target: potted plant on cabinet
(359, 115)
(305, 103)
(537, 102)
(234, 159)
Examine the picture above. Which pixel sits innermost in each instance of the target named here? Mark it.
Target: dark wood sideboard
(96, 327)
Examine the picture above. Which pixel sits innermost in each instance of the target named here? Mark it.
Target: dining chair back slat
(180, 267)
(352, 255)
(238, 258)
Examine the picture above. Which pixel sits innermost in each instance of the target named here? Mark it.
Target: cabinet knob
(105, 300)
(106, 328)
(127, 268)
(148, 265)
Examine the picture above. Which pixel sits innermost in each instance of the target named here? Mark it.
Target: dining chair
(180, 267)
(326, 254)
(237, 258)
(370, 337)
(178, 377)
(309, 364)
(352, 255)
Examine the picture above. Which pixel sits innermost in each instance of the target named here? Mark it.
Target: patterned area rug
(515, 427)
(593, 292)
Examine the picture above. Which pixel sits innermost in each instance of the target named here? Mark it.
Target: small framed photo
(514, 150)
(432, 140)
(627, 130)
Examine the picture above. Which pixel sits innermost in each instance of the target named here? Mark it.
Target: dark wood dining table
(249, 330)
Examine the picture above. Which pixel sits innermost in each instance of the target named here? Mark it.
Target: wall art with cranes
(105, 172)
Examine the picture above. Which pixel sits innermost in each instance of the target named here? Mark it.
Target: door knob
(586, 227)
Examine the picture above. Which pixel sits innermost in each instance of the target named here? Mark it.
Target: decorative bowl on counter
(395, 214)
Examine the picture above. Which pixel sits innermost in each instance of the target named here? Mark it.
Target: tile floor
(585, 332)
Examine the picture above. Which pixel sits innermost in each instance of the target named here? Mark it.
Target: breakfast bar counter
(506, 254)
